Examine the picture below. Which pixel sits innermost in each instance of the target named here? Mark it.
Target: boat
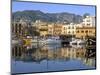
(77, 42)
(73, 42)
(50, 40)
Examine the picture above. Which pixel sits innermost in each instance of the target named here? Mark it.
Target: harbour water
(52, 57)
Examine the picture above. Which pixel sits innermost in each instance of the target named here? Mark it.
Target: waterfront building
(50, 29)
(83, 32)
(89, 21)
(19, 29)
(71, 29)
(57, 29)
(64, 30)
(43, 28)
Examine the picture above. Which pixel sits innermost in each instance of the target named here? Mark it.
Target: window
(78, 31)
(88, 20)
(16, 24)
(19, 28)
(68, 27)
(64, 28)
(88, 24)
(90, 31)
(69, 32)
(16, 27)
(82, 31)
(73, 32)
(72, 27)
(86, 31)
(83, 24)
(64, 32)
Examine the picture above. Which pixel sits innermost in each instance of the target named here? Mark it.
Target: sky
(53, 8)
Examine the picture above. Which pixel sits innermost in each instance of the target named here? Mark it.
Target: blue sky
(53, 8)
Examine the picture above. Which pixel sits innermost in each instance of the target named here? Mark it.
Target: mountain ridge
(33, 15)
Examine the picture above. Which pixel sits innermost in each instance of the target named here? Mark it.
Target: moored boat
(77, 42)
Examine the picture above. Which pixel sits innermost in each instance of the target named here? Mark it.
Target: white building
(89, 21)
(71, 29)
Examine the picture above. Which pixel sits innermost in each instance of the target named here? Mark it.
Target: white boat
(51, 40)
(77, 42)
(73, 42)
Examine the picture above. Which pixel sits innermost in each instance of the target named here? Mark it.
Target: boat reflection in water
(41, 58)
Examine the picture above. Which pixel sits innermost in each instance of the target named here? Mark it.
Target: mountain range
(33, 15)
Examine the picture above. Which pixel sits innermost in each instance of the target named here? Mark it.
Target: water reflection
(39, 58)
